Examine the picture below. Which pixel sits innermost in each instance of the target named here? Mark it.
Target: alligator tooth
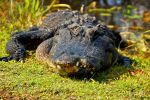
(77, 64)
(22, 61)
(58, 66)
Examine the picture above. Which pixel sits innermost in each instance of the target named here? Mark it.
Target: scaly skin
(73, 43)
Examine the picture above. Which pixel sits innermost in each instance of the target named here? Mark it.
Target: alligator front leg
(25, 40)
(125, 61)
(15, 49)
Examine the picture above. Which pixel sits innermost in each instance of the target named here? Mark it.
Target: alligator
(73, 43)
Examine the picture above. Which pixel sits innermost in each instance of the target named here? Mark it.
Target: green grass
(35, 80)
(38, 81)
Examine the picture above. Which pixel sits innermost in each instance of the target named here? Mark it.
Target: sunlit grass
(37, 80)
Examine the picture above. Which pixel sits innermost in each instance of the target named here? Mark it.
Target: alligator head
(79, 49)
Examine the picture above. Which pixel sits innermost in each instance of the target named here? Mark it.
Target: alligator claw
(126, 62)
(6, 59)
(12, 57)
(3, 59)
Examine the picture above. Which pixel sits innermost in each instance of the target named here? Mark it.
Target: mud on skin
(75, 44)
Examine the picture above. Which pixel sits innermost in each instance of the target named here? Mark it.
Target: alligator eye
(109, 48)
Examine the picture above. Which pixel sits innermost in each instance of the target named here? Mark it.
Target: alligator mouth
(66, 68)
(74, 69)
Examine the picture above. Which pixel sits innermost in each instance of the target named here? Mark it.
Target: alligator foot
(17, 56)
(125, 61)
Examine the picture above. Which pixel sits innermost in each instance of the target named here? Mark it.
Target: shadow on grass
(107, 75)
(113, 73)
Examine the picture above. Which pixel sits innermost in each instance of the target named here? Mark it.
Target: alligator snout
(71, 64)
(66, 60)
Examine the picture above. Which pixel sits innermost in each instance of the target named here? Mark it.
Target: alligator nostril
(71, 53)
